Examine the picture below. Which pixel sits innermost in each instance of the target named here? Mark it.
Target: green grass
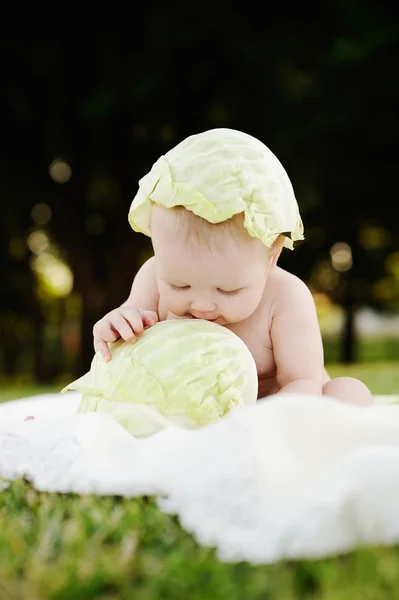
(368, 349)
(83, 548)
(15, 391)
(66, 547)
(381, 377)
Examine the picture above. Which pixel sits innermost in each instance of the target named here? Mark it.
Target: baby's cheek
(173, 303)
(242, 309)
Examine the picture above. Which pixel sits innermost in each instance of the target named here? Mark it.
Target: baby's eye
(229, 293)
(179, 288)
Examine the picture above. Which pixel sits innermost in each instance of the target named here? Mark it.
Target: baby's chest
(257, 339)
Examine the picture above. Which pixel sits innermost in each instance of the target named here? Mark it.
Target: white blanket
(291, 477)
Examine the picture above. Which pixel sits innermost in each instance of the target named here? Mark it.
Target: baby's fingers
(134, 319)
(104, 333)
(126, 325)
(101, 346)
(149, 317)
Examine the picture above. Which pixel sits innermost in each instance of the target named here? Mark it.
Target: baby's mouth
(190, 316)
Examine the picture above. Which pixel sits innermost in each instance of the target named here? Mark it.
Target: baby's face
(222, 282)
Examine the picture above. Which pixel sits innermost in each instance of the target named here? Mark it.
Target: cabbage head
(183, 372)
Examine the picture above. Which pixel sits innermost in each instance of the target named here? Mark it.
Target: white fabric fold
(291, 477)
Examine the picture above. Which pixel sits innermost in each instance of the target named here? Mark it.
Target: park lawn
(17, 390)
(381, 377)
(66, 547)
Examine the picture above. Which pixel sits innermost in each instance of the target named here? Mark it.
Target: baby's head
(216, 272)
(218, 207)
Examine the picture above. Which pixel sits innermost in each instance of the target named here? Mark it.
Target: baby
(219, 208)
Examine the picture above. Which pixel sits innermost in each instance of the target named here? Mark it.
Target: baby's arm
(296, 339)
(144, 292)
(128, 321)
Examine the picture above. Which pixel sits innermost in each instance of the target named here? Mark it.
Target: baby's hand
(124, 322)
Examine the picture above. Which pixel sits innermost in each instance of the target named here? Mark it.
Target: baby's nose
(202, 305)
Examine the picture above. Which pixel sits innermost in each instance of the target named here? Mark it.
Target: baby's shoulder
(287, 289)
(284, 280)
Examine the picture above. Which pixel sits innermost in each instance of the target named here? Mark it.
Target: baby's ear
(275, 250)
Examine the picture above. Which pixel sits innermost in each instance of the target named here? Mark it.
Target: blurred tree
(86, 117)
(354, 133)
